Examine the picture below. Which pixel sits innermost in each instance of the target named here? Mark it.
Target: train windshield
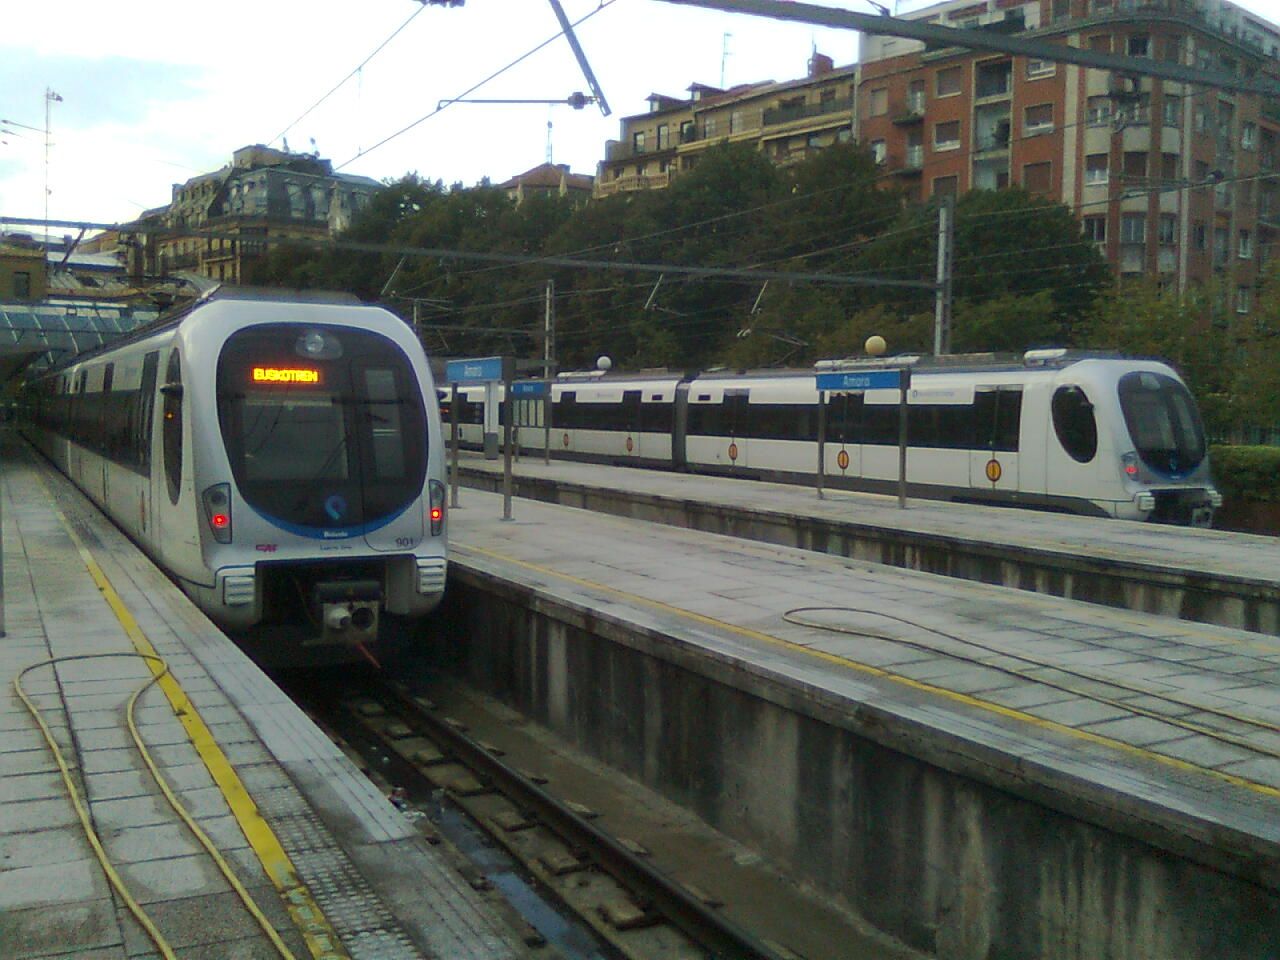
(1163, 422)
(324, 426)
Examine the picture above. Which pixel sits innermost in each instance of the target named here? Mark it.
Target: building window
(878, 151)
(637, 141)
(1133, 228)
(735, 122)
(1168, 229)
(878, 102)
(1037, 177)
(664, 136)
(687, 132)
(1039, 68)
(1199, 235)
(1095, 168)
(1095, 229)
(21, 284)
(1135, 164)
(1172, 110)
(1249, 136)
(947, 82)
(946, 136)
(1098, 111)
(1169, 166)
(709, 127)
(945, 186)
(1139, 45)
(1245, 247)
(1220, 245)
(1038, 118)
(1171, 49)
(1244, 297)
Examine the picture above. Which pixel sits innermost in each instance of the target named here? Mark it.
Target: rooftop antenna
(724, 55)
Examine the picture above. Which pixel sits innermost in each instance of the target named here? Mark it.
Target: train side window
(146, 406)
(172, 426)
(1075, 424)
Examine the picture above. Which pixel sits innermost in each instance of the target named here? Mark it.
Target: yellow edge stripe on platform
(311, 922)
(869, 670)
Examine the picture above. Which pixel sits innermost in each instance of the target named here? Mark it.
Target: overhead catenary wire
(341, 82)
(443, 104)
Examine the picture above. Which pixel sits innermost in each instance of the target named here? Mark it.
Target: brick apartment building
(1171, 180)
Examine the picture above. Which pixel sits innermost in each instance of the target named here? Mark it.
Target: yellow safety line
(868, 669)
(311, 922)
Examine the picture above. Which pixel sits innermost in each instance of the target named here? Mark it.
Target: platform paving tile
(21, 816)
(36, 848)
(114, 786)
(1077, 711)
(1138, 731)
(951, 675)
(49, 884)
(1206, 751)
(43, 933)
(219, 920)
(29, 786)
(1025, 696)
(1264, 770)
(152, 809)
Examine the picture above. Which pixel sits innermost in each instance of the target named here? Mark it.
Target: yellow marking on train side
(879, 672)
(314, 927)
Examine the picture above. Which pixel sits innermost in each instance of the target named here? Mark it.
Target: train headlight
(436, 489)
(318, 345)
(1215, 498)
(217, 511)
(1145, 501)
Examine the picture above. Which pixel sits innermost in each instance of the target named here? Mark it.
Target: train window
(384, 414)
(844, 418)
(172, 427)
(1162, 421)
(1075, 424)
(145, 409)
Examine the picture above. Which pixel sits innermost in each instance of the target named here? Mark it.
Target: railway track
(638, 907)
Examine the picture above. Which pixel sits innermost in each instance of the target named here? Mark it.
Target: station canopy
(36, 336)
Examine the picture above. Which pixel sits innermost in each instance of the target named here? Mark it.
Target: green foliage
(1246, 473)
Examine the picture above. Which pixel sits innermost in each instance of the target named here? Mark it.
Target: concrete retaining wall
(890, 821)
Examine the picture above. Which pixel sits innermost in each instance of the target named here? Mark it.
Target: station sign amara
(478, 370)
(529, 388)
(859, 379)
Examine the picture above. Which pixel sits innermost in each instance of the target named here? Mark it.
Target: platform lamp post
(50, 98)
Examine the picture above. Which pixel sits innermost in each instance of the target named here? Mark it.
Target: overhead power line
(347, 77)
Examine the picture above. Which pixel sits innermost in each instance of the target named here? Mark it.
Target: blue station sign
(479, 370)
(529, 388)
(859, 380)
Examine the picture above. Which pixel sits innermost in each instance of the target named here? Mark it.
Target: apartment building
(1170, 179)
(218, 222)
(785, 120)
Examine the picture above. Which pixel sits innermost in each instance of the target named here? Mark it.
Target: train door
(103, 435)
(680, 426)
(843, 440)
(632, 423)
(737, 425)
(175, 527)
(993, 455)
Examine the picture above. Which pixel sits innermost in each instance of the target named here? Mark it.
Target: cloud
(94, 91)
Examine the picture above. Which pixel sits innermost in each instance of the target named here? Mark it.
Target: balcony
(911, 165)
(653, 181)
(778, 115)
(913, 111)
(618, 150)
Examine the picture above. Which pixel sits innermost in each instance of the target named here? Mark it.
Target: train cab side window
(172, 426)
(1074, 423)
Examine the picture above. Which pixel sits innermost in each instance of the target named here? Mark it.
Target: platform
(968, 765)
(1211, 576)
(331, 864)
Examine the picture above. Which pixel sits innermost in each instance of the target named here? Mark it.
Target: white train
(279, 459)
(1102, 436)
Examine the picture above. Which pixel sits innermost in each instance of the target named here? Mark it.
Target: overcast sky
(157, 91)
